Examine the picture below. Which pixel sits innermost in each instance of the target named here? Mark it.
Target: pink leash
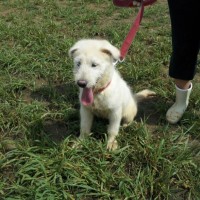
(135, 26)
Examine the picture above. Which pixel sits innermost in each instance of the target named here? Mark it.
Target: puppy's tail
(144, 94)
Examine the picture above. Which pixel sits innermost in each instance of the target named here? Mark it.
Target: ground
(39, 108)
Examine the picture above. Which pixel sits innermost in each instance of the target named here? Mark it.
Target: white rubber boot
(177, 110)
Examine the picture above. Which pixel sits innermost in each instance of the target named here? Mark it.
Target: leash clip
(120, 60)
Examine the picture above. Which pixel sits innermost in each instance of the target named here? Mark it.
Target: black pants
(185, 24)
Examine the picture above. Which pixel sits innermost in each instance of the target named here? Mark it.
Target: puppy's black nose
(82, 83)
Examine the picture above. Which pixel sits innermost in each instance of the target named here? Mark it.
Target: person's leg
(182, 84)
(176, 111)
(185, 43)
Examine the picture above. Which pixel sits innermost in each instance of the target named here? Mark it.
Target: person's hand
(136, 3)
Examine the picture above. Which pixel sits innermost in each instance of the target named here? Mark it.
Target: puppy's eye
(94, 65)
(78, 63)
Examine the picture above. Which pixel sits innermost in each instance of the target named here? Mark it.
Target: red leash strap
(131, 35)
(129, 3)
(135, 26)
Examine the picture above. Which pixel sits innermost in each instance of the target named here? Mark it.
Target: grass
(39, 117)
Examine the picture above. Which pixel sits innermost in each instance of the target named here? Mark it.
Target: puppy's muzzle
(82, 83)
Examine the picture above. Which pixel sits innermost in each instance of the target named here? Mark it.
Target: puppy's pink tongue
(87, 97)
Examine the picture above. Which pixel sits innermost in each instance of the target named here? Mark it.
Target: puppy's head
(91, 60)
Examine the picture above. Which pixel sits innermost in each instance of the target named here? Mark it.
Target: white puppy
(102, 90)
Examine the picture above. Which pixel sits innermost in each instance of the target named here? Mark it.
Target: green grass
(39, 108)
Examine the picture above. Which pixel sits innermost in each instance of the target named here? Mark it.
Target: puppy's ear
(111, 50)
(72, 51)
(75, 48)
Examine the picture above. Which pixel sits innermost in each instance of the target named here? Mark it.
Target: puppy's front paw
(112, 145)
(77, 144)
(151, 93)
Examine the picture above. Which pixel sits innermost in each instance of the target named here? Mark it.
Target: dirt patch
(55, 130)
(147, 111)
(47, 93)
(5, 12)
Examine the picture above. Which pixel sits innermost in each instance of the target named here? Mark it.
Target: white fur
(115, 102)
